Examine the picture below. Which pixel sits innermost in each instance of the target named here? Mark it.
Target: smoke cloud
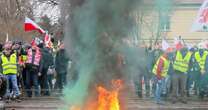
(95, 36)
(96, 32)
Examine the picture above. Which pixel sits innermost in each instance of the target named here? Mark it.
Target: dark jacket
(46, 60)
(61, 61)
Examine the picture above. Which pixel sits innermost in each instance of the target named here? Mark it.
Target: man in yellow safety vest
(179, 77)
(160, 70)
(9, 67)
(201, 58)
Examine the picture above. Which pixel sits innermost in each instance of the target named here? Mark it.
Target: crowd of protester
(32, 68)
(29, 68)
(175, 74)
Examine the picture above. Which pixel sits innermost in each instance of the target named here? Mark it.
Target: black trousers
(44, 82)
(32, 80)
(61, 80)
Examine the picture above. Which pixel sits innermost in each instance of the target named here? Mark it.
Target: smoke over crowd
(95, 38)
(96, 33)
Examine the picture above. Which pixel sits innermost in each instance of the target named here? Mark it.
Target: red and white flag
(178, 43)
(165, 45)
(201, 23)
(47, 40)
(31, 25)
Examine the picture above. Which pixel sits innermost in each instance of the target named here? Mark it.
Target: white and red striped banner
(47, 40)
(165, 45)
(201, 22)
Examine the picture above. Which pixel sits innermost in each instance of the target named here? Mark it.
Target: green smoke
(95, 36)
(164, 5)
(84, 46)
(96, 32)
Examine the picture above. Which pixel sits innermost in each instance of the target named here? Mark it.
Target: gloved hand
(39, 74)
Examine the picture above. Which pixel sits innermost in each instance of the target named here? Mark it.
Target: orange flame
(107, 100)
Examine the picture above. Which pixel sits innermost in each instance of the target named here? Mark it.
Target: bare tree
(48, 13)
(12, 13)
(52, 2)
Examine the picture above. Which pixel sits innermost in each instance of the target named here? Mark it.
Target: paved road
(46, 103)
(132, 102)
(43, 103)
(150, 105)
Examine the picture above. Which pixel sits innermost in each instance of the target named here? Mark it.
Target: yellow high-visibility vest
(24, 58)
(9, 66)
(166, 65)
(201, 60)
(181, 64)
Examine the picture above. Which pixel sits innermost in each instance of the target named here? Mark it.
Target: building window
(165, 23)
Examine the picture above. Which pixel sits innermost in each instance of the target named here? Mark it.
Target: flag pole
(7, 37)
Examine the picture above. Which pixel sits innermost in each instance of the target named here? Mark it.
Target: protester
(46, 62)
(51, 70)
(16, 48)
(9, 67)
(160, 70)
(22, 64)
(32, 69)
(193, 76)
(179, 78)
(202, 61)
(149, 66)
(61, 64)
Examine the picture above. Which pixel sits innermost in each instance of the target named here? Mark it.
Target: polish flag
(201, 22)
(165, 45)
(178, 43)
(31, 25)
(47, 40)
